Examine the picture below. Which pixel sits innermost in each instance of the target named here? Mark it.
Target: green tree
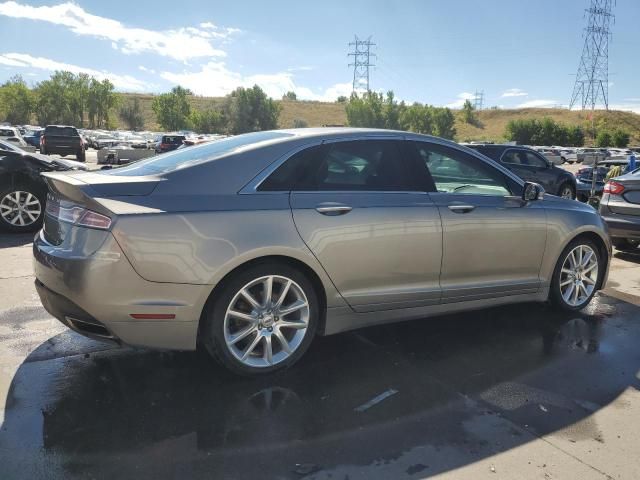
(300, 123)
(443, 123)
(173, 109)
(417, 118)
(131, 114)
(342, 99)
(207, 121)
(469, 113)
(290, 96)
(603, 139)
(575, 136)
(620, 138)
(102, 100)
(250, 110)
(16, 101)
(374, 110)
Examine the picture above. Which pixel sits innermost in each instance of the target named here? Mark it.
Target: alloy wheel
(266, 321)
(579, 275)
(567, 192)
(20, 208)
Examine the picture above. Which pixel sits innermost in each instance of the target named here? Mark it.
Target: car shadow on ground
(452, 390)
(15, 240)
(632, 256)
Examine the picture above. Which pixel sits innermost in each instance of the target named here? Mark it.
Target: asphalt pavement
(518, 392)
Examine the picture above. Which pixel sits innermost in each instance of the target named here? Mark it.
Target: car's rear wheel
(263, 320)
(567, 191)
(21, 208)
(577, 275)
(625, 243)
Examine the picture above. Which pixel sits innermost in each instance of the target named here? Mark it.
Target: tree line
(549, 132)
(65, 98)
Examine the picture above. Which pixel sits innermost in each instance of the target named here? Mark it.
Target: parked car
(552, 155)
(23, 190)
(33, 138)
(4, 145)
(253, 244)
(104, 140)
(568, 155)
(587, 156)
(620, 209)
(531, 166)
(584, 181)
(166, 143)
(63, 140)
(13, 135)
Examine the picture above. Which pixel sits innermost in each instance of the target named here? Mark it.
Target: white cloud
(142, 68)
(215, 79)
(514, 92)
(180, 44)
(538, 104)
(121, 82)
(462, 97)
(303, 68)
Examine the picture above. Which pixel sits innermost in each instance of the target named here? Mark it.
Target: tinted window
(187, 157)
(456, 172)
(514, 157)
(6, 132)
(535, 161)
(63, 131)
(358, 165)
(173, 139)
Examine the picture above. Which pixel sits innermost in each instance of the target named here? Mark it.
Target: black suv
(531, 166)
(166, 143)
(63, 140)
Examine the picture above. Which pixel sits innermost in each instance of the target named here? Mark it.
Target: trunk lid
(85, 190)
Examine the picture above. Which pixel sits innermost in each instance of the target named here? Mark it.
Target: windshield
(195, 155)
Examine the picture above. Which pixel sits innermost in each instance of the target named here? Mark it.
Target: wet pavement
(513, 392)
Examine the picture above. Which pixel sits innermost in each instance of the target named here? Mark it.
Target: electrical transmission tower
(361, 62)
(592, 80)
(478, 100)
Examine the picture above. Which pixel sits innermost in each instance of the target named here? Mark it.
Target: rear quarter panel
(202, 247)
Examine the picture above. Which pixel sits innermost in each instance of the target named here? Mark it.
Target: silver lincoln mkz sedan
(252, 245)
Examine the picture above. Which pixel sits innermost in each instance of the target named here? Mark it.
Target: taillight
(614, 188)
(164, 145)
(78, 216)
(41, 140)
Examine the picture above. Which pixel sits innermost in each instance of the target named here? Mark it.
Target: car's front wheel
(263, 320)
(577, 275)
(21, 208)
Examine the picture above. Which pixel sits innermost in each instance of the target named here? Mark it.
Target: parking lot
(512, 392)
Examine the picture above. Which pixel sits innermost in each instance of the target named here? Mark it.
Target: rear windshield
(173, 139)
(62, 131)
(195, 155)
(5, 132)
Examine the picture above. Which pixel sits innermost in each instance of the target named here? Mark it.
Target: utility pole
(592, 80)
(362, 56)
(478, 100)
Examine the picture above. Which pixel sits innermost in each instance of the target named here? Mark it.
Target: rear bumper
(623, 226)
(95, 293)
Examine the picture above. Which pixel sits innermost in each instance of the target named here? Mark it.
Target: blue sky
(520, 53)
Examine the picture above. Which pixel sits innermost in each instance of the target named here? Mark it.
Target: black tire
(212, 332)
(81, 156)
(43, 151)
(567, 186)
(555, 295)
(625, 244)
(5, 222)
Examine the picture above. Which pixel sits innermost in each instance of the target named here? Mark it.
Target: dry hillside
(492, 122)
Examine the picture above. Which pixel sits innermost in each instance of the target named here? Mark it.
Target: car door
(493, 241)
(530, 166)
(378, 238)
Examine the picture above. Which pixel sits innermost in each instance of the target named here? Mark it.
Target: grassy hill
(491, 125)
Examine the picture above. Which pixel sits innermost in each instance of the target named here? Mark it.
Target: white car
(550, 154)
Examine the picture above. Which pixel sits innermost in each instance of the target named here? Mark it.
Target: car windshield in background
(194, 155)
(63, 131)
(173, 139)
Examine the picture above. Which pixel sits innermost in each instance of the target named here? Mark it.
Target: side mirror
(532, 191)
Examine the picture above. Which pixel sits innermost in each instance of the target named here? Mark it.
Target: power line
(592, 81)
(361, 62)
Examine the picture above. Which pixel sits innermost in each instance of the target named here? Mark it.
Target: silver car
(252, 245)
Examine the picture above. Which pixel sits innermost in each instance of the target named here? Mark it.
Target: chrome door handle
(333, 209)
(461, 208)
